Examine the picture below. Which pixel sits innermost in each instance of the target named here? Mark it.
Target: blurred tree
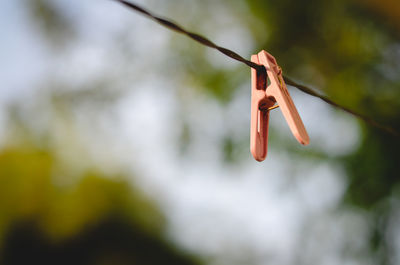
(52, 22)
(350, 49)
(99, 220)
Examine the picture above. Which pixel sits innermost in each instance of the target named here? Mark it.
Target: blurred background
(122, 142)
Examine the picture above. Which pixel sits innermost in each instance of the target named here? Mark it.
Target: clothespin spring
(268, 109)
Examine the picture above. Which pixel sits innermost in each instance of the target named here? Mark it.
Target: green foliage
(348, 49)
(373, 170)
(51, 21)
(29, 190)
(98, 219)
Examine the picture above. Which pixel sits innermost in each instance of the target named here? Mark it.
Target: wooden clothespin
(267, 88)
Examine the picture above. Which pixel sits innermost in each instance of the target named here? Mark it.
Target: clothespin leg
(259, 118)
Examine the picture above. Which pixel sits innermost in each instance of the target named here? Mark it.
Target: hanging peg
(264, 95)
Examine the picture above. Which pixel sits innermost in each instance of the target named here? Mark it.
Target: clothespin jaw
(264, 96)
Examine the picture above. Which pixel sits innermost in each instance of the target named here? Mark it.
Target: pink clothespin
(264, 95)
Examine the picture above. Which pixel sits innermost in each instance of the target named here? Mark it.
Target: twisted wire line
(206, 42)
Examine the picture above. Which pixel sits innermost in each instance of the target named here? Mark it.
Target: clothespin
(267, 88)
